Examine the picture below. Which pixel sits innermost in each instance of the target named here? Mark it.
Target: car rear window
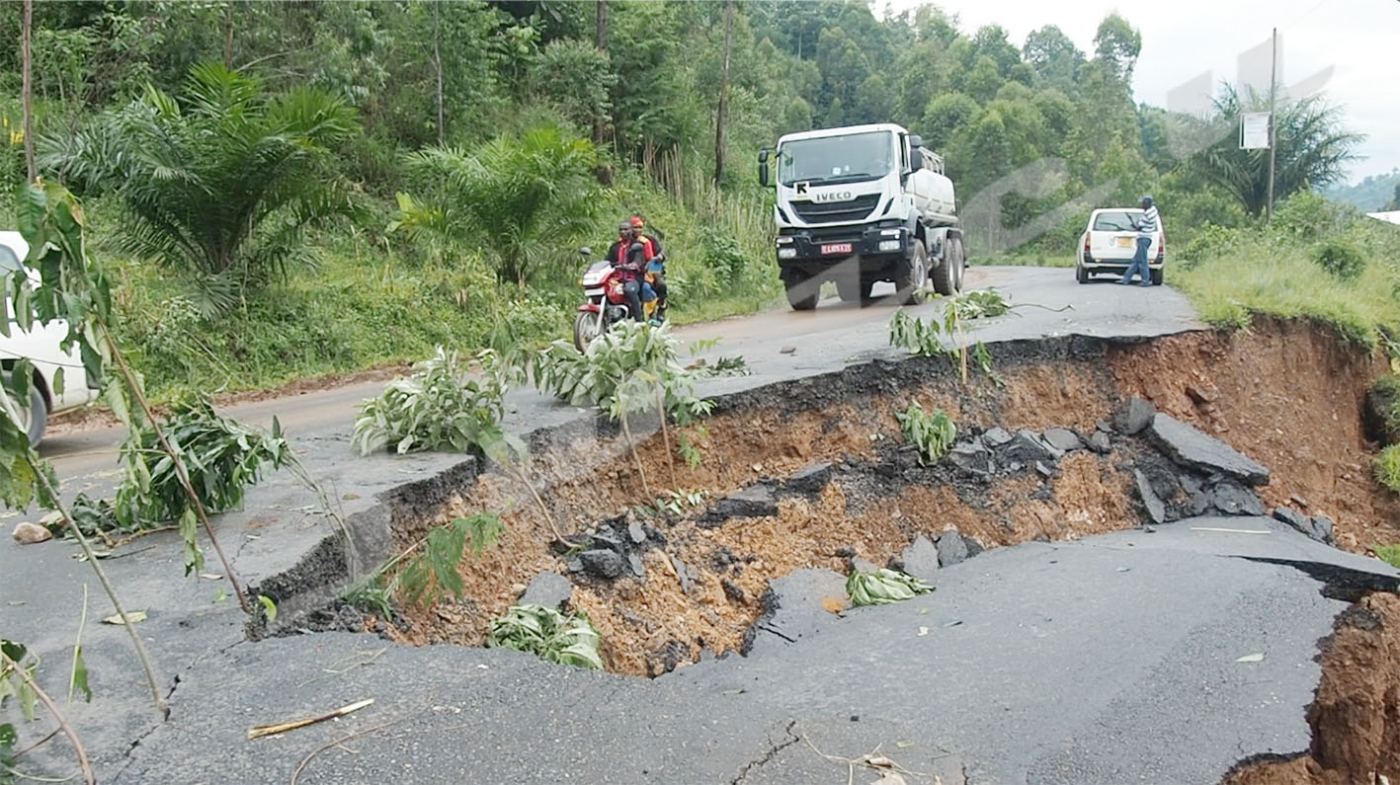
(1116, 220)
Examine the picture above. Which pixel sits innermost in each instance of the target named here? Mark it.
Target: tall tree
(437, 71)
(27, 88)
(600, 42)
(722, 110)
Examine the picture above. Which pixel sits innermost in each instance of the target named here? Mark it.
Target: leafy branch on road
(548, 634)
(442, 406)
(925, 337)
(17, 681)
(632, 368)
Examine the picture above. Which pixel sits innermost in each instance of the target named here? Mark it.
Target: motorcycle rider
(629, 258)
(655, 260)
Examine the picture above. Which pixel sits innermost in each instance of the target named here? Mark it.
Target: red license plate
(837, 248)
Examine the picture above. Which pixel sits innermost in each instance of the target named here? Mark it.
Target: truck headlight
(787, 253)
(889, 245)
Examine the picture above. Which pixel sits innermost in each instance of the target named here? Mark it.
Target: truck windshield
(832, 159)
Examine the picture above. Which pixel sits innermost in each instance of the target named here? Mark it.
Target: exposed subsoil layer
(1287, 394)
(1284, 394)
(1355, 717)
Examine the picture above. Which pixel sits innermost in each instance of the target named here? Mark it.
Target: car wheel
(910, 274)
(1157, 276)
(1080, 274)
(802, 290)
(34, 417)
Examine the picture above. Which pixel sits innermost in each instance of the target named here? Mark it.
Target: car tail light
(1162, 248)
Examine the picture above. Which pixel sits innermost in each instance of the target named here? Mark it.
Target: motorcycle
(604, 302)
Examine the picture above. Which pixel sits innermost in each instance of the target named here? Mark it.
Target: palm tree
(219, 183)
(516, 196)
(1313, 149)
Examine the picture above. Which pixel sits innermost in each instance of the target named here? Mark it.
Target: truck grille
(855, 210)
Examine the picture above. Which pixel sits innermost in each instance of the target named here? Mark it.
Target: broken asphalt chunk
(1191, 448)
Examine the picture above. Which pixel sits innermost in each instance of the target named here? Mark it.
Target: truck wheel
(1157, 277)
(1080, 274)
(910, 274)
(945, 275)
(802, 290)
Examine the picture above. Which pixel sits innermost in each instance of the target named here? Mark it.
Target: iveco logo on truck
(860, 205)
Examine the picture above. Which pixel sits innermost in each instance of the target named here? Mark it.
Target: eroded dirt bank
(823, 478)
(1355, 718)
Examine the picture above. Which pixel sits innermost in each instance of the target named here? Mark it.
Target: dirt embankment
(1355, 717)
(1287, 394)
(1284, 394)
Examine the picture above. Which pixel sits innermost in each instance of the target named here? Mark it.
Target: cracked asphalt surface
(1109, 660)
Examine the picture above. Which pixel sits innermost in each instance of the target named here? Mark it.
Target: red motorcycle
(604, 303)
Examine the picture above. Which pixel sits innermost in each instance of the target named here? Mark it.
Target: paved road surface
(1105, 661)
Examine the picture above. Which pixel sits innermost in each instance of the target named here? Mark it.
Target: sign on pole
(1254, 131)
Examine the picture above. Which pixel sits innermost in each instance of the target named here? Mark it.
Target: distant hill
(1371, 194)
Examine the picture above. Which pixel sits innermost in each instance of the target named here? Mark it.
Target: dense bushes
(1340, 258)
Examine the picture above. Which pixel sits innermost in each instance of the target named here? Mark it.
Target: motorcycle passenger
(656, 264)
(629, 258)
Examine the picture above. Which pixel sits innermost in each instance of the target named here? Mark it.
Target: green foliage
(518, 196)
(442, 406)
(630, 368)
(932, 432)
(1388, 468)
(219, 183)
(883, 587)
(1260, 270)
(1340, 258)
(724, 256)
(1313, 150)
(548, 634)
(13, 685)
(979, 304)
(432, 573)
(1390, 554)
(221, 457)
(916, 335)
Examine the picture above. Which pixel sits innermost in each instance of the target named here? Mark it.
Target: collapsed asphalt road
(1109, 660)
(1132, 657)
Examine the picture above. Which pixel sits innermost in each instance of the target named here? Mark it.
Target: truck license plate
(1125, 242)
(837, 248)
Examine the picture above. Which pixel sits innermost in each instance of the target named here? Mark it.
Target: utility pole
(722, 111)
(27, 88)
(1273, 132)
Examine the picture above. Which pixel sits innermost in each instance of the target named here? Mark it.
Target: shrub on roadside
(1340, 258)
(442, 406)
(1390, 554)
(1388, 467)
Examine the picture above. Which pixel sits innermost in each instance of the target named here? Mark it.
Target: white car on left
(41, 346)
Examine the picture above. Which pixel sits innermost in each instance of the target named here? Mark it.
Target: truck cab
(858, 205)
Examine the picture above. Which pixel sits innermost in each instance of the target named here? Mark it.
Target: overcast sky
(1181, 39)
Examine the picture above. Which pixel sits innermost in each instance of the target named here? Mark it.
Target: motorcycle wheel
(586, 328)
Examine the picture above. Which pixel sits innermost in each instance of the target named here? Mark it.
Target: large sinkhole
(813, 477)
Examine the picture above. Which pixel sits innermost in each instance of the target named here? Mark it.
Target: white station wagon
(41, 346)
(1110, 240)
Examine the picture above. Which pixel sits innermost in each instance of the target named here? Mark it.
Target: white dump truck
(859, 205)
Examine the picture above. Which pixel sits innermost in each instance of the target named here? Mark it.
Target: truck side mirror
(916, 158)
(763, 167)
(915, 141)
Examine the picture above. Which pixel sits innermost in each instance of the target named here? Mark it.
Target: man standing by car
(1147, 230)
